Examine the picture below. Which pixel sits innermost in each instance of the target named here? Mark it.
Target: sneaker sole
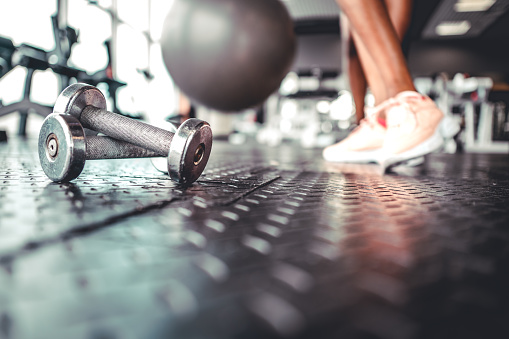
(429, 145)
(364, 157)
(358, 159)
(412, 162)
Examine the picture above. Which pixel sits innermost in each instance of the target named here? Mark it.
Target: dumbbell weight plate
(62, 147)
(161, 164)
(76, 97)
(190, 151)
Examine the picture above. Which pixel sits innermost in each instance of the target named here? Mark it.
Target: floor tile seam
(84, 229)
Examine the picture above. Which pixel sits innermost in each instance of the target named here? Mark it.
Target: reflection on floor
(268, 243)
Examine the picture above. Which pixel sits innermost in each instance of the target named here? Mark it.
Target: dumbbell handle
(99, 147)
(127, 129)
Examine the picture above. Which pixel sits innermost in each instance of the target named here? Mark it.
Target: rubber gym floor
(268, 243)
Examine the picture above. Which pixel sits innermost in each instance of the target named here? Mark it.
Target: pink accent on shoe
(412, 119)
(382, 122)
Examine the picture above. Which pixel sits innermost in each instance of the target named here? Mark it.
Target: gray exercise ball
(228, 54)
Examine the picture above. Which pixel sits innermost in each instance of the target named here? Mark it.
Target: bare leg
(358, 84)
(399, 13)
(352, 64)
(382, 59)
(371, 71)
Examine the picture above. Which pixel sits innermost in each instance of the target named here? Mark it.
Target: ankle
(396, 89)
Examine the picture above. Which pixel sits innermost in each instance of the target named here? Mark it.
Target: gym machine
(304, 110)
(472, 103)
(36, 59)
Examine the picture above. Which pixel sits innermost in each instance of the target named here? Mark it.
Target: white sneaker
(412, 128)
(363, 145)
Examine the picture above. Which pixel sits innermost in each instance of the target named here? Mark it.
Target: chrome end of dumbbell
(62, 147)
(190, 151)
(74, 98)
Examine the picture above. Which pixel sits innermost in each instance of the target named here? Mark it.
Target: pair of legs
(374, 30)
(404, 124)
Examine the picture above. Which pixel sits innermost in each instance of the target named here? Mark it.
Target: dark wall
(487, 54)
(473, 56)
(322, 51)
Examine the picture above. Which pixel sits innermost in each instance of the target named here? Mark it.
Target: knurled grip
(127, 129)
(100, 147)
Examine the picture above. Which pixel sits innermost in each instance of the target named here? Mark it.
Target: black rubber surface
(267, 243)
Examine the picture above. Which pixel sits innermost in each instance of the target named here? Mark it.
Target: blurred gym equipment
(57, 60)
(36, 59)
(475, 115)
(105, 76)
(310, 107)
(32, 58)
(6, 50)
(227, 54)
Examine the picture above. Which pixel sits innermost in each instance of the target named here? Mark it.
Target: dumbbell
(64, 147)
(187, 150)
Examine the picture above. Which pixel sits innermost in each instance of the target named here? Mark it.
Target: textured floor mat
(268, 243)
